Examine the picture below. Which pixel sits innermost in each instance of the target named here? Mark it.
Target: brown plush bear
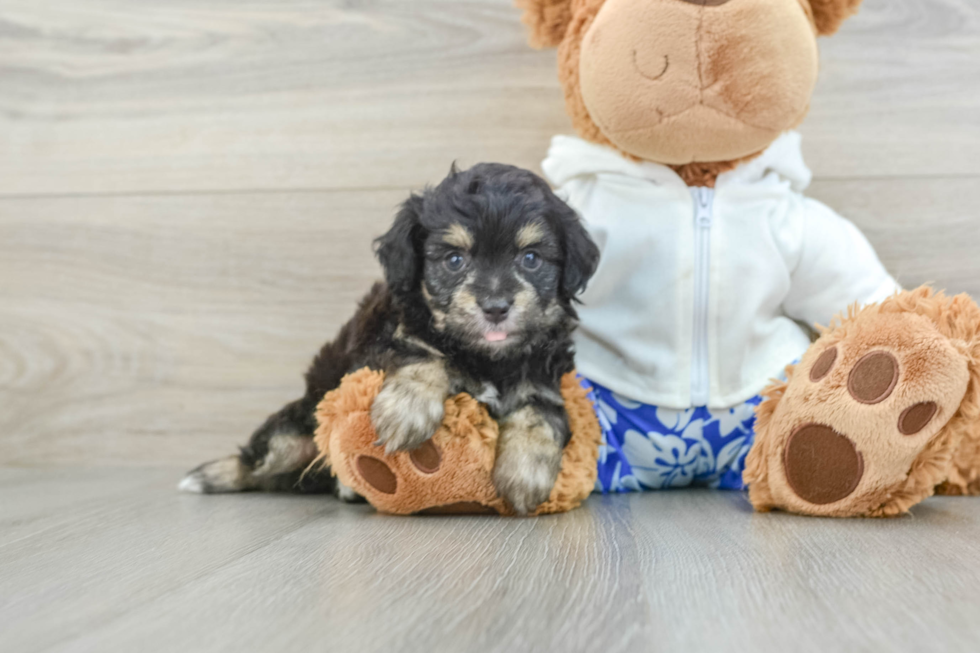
(885, 406)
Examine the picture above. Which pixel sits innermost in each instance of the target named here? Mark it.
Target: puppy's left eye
(531, 260)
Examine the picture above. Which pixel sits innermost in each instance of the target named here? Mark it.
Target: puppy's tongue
(495, 336)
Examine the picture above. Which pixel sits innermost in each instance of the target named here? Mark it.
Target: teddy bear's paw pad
(822, 466)
(873, 378)
(824, 364)
(863, 404)
(377, 474)
(426, 458)
(915, 418)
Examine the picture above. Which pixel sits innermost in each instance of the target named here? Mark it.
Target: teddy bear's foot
(451, 473)
(421, 481)
(964, 474)
(871, 419)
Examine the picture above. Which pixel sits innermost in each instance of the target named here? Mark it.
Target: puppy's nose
(495, 310)
(706, 3)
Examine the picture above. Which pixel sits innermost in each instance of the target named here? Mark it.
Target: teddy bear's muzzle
(676, 81)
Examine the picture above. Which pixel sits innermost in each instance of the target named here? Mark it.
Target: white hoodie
(697, 290)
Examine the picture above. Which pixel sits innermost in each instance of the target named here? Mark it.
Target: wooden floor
(113, 560)
(188, 192)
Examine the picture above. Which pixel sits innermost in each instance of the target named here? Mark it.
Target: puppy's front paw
(528, 459)
(404, 418)
(524, 478)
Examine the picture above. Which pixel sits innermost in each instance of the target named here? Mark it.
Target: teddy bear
(694, 346)
(689, 175)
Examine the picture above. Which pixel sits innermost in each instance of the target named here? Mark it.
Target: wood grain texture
(145, 569)
(134, 328)
(163, 329)
(925, 230)
(111, 96)
(897, 92)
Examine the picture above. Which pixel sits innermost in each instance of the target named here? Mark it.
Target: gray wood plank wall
(188, 189)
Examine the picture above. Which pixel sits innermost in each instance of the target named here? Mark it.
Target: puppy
(481, 274)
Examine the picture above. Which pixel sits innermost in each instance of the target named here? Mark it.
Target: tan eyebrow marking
(458, 236)
(530, 234)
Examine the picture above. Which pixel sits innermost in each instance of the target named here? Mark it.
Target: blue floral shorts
(649, 448)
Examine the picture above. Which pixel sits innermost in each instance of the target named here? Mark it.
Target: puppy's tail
(283, 468)
(223, 475)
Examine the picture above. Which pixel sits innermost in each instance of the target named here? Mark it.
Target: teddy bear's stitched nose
(706, 3)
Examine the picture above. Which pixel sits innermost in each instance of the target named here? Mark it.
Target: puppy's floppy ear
(547, 21)
(829, 15)
(398, 250)
(581, 253)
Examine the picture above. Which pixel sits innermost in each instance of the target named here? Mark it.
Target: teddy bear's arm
(835, 267)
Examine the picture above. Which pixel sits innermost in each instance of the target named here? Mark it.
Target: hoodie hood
(570, 157)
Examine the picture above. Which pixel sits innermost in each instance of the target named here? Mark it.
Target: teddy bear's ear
(829, 15)
(547, 20)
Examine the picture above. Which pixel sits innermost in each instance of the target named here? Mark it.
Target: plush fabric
(882, 411)
(829, 15)
(546, 20)
(680, 83)
(675, 82)
(452, 473)
(917, 353)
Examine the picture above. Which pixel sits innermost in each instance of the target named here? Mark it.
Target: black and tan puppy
(481, 274)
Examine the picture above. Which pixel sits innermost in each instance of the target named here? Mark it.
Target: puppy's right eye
(454, 262)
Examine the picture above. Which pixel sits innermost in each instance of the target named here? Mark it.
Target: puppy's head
(492, 254)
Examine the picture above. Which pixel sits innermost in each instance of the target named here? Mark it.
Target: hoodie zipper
(703, 216)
